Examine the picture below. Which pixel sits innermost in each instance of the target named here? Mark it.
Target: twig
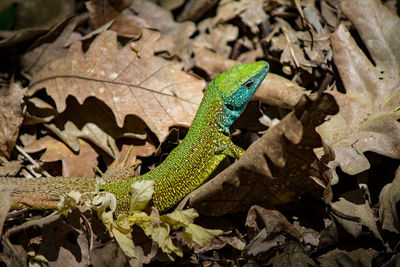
(31, 160)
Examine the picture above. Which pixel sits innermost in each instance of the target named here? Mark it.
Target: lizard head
(236, 87)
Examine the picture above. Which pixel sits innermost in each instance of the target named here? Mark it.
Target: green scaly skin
(192, 162)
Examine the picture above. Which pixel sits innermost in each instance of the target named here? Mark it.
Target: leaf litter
(105, 89)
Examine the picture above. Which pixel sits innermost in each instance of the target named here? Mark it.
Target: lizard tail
(44, 193)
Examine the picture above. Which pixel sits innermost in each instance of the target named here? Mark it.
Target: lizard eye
(249, 84)
(229, 106)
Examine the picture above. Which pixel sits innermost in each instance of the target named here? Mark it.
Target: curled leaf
(200, 235)
(160, 235)
(142, 192)
(180, 218)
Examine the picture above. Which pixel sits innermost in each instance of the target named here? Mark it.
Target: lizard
(187, 166)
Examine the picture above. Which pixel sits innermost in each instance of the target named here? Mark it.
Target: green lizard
(187, 166)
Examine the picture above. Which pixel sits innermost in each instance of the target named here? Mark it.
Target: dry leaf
(262, 174)
(300, 49)
(95, 122)
(46, 49)
(11, 117)
(364, 212)
(251, 12)
(388, 200)
(254, 15)
(141, 192)
(102, 12)
(195, 9)
(130, 80)
(129, 25)
(216, 36)
(357, 257)
(277, 234)
(370, 109)
(273, 221)
(171, 4)
(174, 35)
(9, 168)
(293, 253)
(5, 200)
(73, 165)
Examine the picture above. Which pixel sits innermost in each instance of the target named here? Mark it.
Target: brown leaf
(174, 35)
(195, 9)
(216, 36)
(369, 111)
(357, 257)
(277, 233)
(108, 255)
(73, 165)
(94, 121)
(46, 49)
(42, 13)
(10, 118)
(293, 254)
(262, 175)
(62, 246)
(130, 80)
(388, 199)
(273, 221)
(102, 11)
(254, 15)
(274, 90)
(316, 49)
(5, 200)
(9, 168)
(171, 4)
(250, 11)
(129, 25)
(363, 212)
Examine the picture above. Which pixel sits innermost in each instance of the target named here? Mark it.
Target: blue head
(235, 88)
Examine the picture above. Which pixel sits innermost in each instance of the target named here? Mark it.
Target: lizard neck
(212, 115)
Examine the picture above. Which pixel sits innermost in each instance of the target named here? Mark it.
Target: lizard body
(206, 144)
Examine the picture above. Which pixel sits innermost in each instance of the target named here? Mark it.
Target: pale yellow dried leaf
(180, 217)
(142, 192)
(200, 235)
(160, 235)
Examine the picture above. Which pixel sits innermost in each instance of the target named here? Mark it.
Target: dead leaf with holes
(129, 80)
(261, 175)
(370, 108)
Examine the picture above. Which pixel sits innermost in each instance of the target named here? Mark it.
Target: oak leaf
(130, 80)
(370, 109)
